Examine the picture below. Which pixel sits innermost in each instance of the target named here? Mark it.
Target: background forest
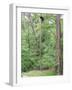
(41, 44)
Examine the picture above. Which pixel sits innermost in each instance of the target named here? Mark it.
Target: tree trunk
(58, 45)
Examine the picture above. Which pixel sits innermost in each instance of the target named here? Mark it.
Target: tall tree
(58, 44)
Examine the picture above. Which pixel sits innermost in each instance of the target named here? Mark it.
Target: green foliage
(38, 42)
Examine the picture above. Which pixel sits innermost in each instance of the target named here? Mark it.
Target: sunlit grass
(39, 73)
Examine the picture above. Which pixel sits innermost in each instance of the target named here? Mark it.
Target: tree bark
(58, 45)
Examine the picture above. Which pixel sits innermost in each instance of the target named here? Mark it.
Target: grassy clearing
(39, 73)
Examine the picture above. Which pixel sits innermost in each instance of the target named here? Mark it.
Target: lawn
(39, 73)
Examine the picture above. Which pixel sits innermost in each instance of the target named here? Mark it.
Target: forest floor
(39, 73)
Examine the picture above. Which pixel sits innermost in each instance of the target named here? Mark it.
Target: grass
(39, 73)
